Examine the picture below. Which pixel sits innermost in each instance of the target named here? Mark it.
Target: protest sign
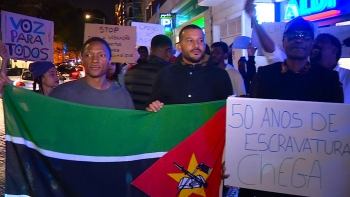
(27, 38)
(293, 147)
(121, 39)
(241, 42)
(275, 31)
(146, 31)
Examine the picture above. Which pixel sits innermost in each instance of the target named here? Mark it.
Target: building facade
(127, 11)
(221, 20)
(224, 20)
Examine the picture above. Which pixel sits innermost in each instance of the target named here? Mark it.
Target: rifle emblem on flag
(191, 180)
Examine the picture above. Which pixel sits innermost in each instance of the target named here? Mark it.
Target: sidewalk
(2, 152)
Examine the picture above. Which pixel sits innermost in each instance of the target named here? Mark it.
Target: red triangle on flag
(199, 157)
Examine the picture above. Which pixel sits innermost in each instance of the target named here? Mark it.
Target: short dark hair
(334, 41)
(188, 27)
(97, 39)
(160, 41)
(242, 59)
(142, 48)
(223, 46)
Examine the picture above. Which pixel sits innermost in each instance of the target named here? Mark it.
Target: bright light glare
(87, 16)
(265, 12)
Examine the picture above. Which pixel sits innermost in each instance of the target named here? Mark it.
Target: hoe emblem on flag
(194, 182)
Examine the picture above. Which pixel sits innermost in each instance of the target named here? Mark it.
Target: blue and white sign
(27, 38)
(307, 7)
(292, 147)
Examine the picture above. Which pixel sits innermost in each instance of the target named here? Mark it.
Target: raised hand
(3, 76)
(249, 8)
(251, 50)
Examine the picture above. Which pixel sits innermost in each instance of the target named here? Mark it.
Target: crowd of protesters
(305, 70)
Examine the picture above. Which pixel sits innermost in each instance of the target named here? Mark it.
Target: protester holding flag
(95, 89)
(193, 78)
(45, 75)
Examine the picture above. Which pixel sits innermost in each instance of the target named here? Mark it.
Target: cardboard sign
(121, 39)
(146, 31)
(292, 147)
(27, 38)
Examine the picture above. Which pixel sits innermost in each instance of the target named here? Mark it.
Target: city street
(2, 152)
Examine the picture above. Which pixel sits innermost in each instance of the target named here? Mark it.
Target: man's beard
(192, 60)
(316, 54)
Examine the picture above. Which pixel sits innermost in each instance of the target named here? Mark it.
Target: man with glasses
(139, 79)
(295, 78)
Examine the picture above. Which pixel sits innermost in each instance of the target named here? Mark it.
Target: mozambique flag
(56, 148)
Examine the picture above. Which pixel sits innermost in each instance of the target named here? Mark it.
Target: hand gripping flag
(200, 155)
(56, 148)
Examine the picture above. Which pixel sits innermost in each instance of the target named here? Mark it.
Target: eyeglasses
(298, 35)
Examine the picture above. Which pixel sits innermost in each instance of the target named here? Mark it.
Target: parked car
(14, 71)
(25, 80)
(71, 72)
(27, 75)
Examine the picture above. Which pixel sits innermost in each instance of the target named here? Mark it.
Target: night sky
(106, 6)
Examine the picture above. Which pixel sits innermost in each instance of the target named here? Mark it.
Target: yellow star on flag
(185, 192)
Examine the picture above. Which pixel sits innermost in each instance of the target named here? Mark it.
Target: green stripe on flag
(85, 130)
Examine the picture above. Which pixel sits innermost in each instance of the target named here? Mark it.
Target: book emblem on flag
(192, 179)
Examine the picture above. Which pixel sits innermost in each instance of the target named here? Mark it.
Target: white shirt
(277, 56)
(236, 80)
(344, 78)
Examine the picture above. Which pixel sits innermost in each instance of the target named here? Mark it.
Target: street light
(102, 19)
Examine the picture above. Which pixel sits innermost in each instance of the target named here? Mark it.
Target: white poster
(292, 147)
(121, 39)
(241, 42)
(27, 38)
(146, 31)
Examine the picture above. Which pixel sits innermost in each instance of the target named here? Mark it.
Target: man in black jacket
(140, 78)
(295, 78)
(193, 78)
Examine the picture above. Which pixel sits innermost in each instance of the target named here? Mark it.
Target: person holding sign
(193, 78)
(248, 68)
(44, 73)
(296, 78)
